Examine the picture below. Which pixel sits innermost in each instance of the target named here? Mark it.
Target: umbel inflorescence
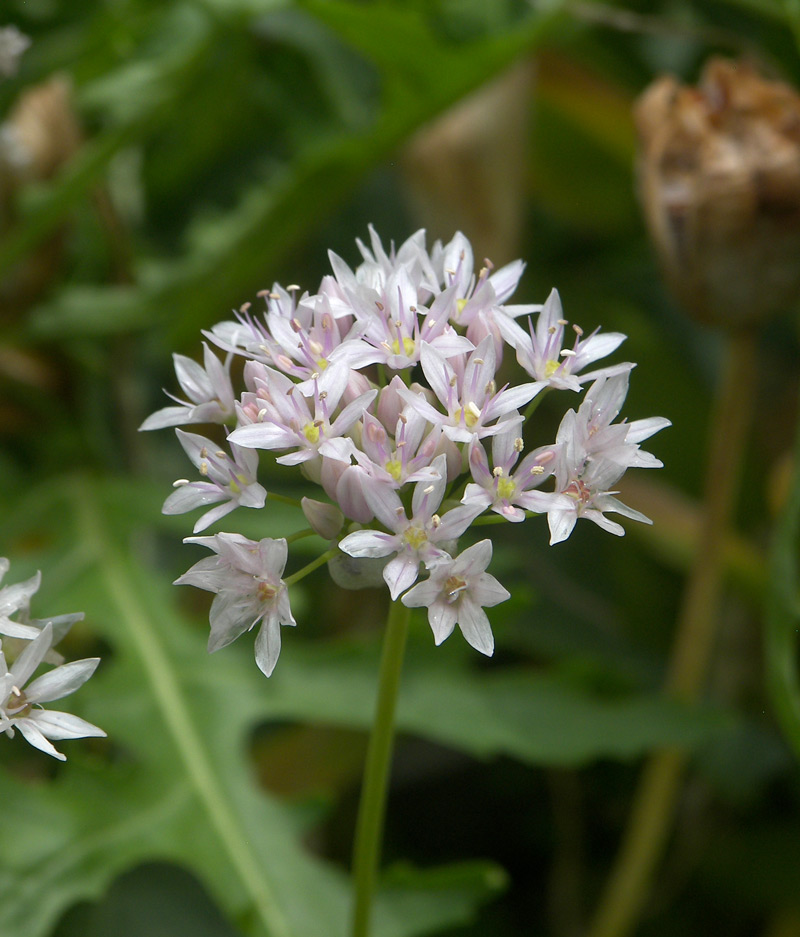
(382, 388)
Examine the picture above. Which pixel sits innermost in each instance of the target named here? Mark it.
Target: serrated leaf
(180, 788)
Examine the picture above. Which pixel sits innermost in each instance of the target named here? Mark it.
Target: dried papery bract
(719, 180)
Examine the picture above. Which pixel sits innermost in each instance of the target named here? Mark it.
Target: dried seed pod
(719, 181)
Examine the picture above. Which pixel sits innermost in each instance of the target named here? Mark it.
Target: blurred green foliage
(202, 150)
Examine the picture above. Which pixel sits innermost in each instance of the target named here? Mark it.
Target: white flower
(208, 388)
(12, 44)
(231, 480)
(15, 600)
(542, 355)
(246, 577)
(415, 540)
(455, 594)
(20, 706)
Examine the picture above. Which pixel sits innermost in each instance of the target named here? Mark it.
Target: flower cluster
(31, 641)
(383, 388)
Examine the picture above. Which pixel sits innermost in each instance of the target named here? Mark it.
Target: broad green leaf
(179, 788)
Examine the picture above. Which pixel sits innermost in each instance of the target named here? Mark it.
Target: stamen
(562, 321)
(568, 353)
(518, 444)
(180, 482)
(578, 330)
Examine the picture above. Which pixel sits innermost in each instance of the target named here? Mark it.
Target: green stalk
(310, 567)
(372, 806)
(630, 880)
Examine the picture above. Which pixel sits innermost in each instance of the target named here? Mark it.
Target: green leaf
(179, 787)
(421, 75)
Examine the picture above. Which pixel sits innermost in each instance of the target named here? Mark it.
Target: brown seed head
(719, 181)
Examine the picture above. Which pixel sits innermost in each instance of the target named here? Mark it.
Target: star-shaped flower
(456, 593)
(20, 706)
(246, 577)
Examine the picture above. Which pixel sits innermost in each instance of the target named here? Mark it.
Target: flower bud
(719, 181)
(324, 519)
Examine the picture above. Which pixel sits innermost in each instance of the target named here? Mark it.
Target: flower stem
(372, 806)
(310, 567)
(284, 499)
(301, 534)
(629, 882)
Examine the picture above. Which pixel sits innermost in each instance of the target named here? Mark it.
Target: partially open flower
(719, 179)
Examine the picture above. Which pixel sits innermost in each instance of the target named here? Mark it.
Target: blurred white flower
(20, 705)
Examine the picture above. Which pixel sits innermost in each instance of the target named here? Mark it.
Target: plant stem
(372, 806)
(629, 882)
(310, 567)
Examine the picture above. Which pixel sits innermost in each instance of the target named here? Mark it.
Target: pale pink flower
(412, 540)
(471, 401)
(543, 355)
(230, 479)
(246, 577)
(208, 388)
(285, 420)
(506, 489)
(456, 593)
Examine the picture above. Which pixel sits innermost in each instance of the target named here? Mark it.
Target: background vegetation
(191, 153)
